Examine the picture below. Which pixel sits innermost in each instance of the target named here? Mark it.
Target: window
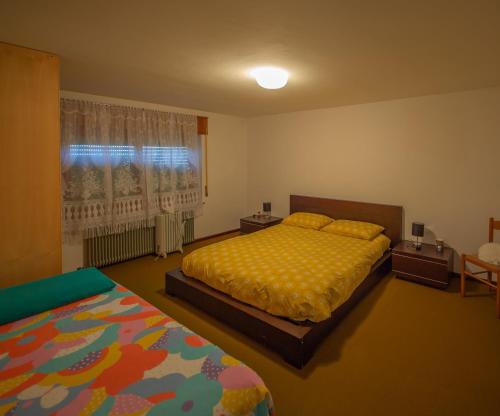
(177, 156)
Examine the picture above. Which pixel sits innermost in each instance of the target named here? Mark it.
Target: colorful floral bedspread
(115, 354)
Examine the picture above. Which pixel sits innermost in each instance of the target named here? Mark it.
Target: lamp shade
(266, 207)
(269, 77)
(417, 229)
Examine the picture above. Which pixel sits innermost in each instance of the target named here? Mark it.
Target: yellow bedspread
(287, 271)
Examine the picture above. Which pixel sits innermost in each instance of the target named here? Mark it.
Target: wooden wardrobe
(30, 207)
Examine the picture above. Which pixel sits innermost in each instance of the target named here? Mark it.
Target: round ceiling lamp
(269, 77)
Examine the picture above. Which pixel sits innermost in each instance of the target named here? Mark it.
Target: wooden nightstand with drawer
(425, 266)
(251, 224)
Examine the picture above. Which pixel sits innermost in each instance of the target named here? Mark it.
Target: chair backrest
(494, 225)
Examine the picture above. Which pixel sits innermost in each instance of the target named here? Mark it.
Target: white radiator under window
(164, 238)
(171, 232)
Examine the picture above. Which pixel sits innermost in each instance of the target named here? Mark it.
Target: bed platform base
(295, 342)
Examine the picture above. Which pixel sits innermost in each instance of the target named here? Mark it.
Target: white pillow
(490, 253)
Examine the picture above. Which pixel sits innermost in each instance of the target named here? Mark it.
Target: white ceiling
(196, 54)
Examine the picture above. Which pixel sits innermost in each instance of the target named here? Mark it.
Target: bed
(293, 272)
(114, 353)
(294, 341)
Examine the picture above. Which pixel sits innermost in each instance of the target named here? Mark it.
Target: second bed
(288, 286)
(289, 271)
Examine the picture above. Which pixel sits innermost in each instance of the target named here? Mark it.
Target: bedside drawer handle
(418, 259)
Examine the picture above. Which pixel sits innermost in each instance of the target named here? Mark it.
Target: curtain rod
(127, 106)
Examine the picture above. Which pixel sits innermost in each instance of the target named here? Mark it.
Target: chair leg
(462, 277)
(490, 275)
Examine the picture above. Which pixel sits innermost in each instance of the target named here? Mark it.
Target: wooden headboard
(388, 216)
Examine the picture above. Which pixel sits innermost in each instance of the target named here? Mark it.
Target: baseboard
(208, 237)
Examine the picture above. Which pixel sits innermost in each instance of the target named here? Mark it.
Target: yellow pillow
(307, 220)
(355, 229)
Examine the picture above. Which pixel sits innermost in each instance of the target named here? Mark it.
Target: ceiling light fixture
(269, 77)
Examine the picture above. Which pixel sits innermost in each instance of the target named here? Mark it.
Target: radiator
(110, 249)
(172, 231)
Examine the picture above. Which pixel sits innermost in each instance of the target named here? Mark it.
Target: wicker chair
(488, 268)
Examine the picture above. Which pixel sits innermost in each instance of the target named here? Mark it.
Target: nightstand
(251, 224)
(425, 266)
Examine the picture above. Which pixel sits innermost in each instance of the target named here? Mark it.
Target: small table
(425, 266)
(256, 223)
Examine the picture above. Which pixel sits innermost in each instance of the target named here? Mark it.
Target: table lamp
(266, 208)
(417, 230)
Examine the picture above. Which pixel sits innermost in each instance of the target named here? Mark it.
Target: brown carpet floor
(406, 349)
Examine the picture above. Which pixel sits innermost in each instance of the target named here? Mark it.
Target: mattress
(288, 271)
(116, 354)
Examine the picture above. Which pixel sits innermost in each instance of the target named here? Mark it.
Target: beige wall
(437, 156)
(226, 173)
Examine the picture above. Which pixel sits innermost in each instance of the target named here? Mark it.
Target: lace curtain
(121, 166)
